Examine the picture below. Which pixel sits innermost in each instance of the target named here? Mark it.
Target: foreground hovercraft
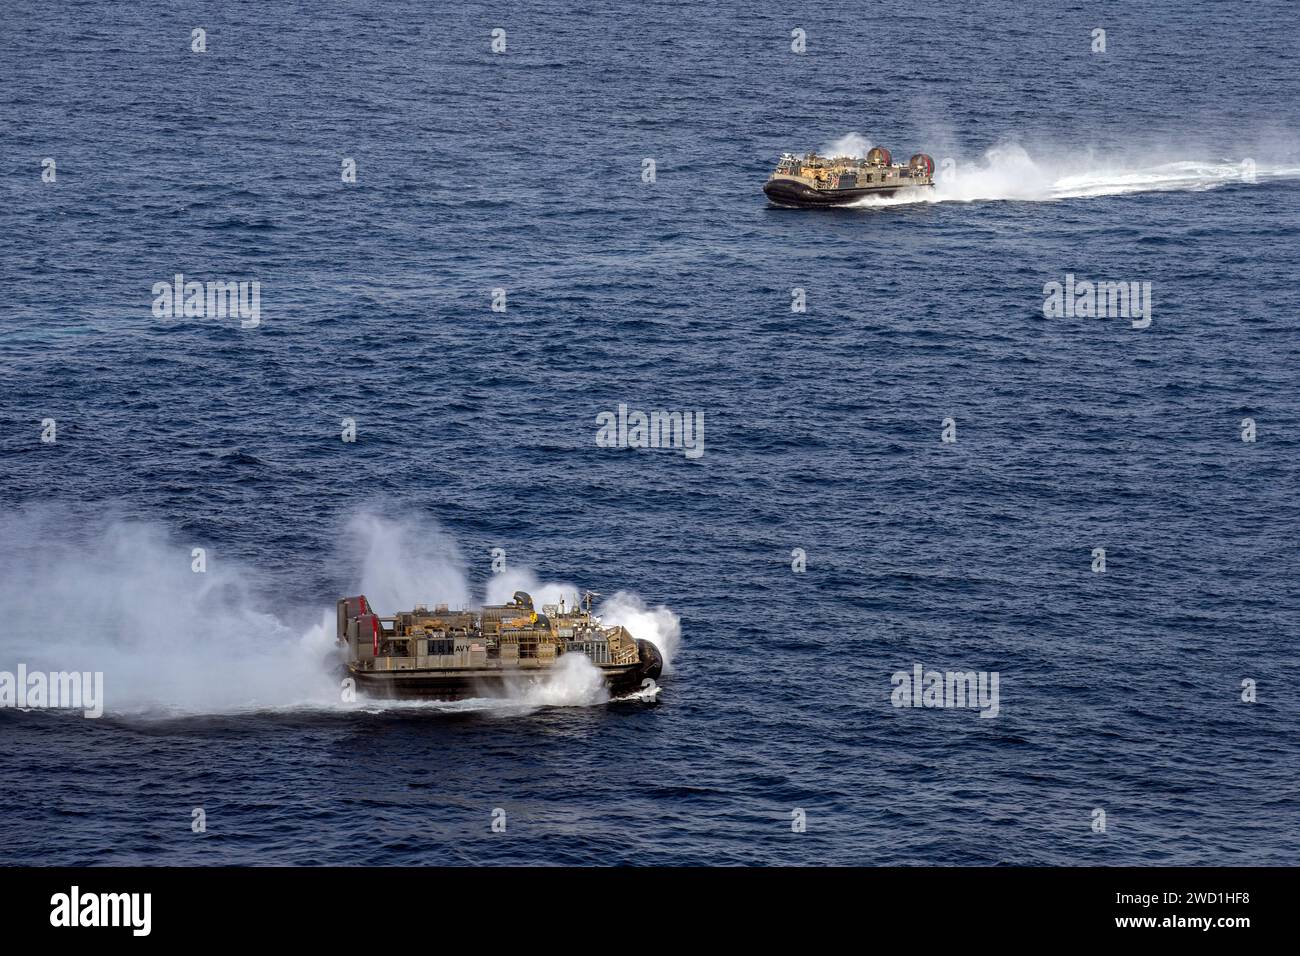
(457, 654)
(820, 181)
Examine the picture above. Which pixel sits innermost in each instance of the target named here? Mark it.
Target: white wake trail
(1009, 173)
(126, 598)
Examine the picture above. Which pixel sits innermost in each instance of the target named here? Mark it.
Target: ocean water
(1171, 158)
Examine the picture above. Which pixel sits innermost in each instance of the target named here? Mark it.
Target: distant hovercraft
(839, 180)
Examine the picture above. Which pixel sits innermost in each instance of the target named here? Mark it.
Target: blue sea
(905, 461)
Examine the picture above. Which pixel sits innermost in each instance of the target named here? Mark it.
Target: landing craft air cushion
(815, 181)
(451, 655)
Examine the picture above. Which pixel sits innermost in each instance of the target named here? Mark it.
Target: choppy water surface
(1172, 158)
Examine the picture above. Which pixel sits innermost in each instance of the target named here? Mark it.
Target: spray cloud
(122, 597)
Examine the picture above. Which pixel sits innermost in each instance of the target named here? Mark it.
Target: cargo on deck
(453, 654)
(815, 180)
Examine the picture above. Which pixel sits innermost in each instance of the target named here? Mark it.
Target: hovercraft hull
(792, 193)
(464, 683)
